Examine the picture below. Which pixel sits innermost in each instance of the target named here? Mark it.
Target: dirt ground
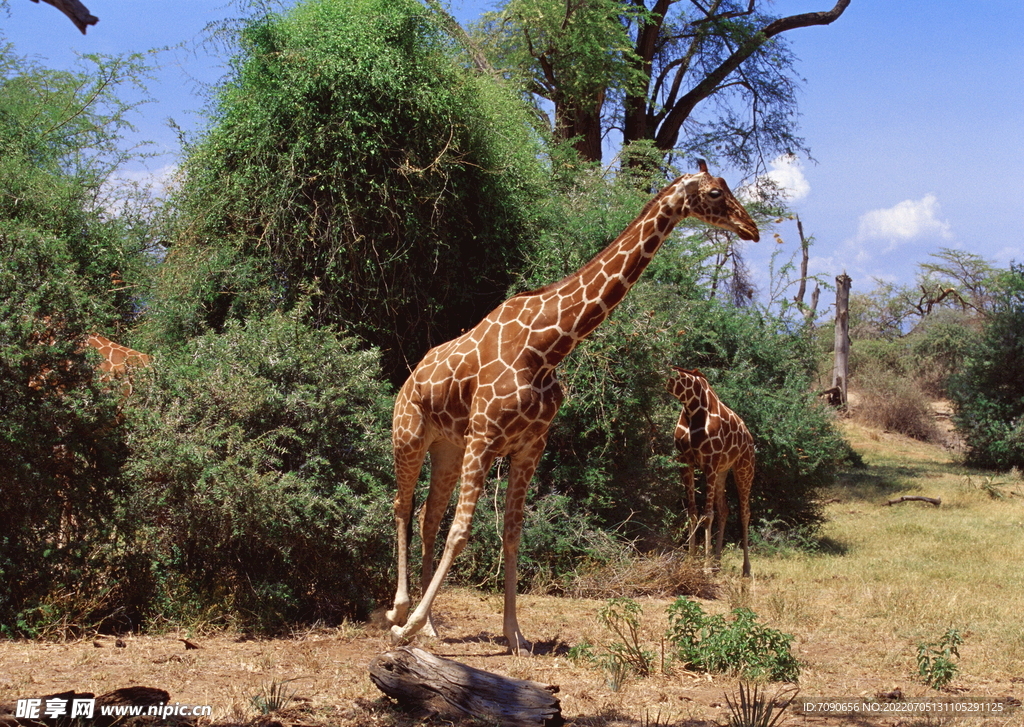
(326, 672)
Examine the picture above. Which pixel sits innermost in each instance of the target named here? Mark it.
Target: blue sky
(914, 113)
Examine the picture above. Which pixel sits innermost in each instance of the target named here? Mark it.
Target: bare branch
(78, 13)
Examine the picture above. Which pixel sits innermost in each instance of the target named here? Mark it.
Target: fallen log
(908, 498)
(422, 681)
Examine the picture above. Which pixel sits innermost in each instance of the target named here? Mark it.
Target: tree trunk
(840, 372)
(429, 683)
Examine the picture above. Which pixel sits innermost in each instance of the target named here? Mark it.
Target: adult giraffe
(492, 392)
(713, 438)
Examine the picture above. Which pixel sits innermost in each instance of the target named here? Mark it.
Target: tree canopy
(352, 152)
(715, 78)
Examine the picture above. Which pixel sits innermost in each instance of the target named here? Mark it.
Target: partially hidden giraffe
(118, 361)
(493, 392)
(117, 364)
(713, 438)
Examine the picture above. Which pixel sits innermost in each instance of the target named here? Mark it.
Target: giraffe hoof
(399, 637)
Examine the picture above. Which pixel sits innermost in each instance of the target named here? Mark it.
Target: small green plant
(743, 646)
(617, 669)
(273, 697)
(753, 707)
(622, 616)
(583, 651)
(990, 486)
(935, 661)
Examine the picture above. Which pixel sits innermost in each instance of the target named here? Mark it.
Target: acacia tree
(718, 73)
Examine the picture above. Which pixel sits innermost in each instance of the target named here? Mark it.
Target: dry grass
(660, 575)
(885, 579)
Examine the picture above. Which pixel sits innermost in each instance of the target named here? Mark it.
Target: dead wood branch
(916, 498)
(78, 13)
(422, 681)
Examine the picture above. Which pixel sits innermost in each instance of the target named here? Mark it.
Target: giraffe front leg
(691, 511)
(523, 465)
(722, 513)
(710, 501)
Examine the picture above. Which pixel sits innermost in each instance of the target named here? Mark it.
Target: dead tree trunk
(841, 369)
(78, 13)
(805, 250)
(429, 683)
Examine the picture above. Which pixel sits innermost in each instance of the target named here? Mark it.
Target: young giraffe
(711, 437)
(492, 392)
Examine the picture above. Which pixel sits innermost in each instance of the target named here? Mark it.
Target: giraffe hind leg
(409, 445)
(476, 463)
(445, 463)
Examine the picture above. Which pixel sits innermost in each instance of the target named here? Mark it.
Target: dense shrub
(263, 478)
(354, 147)
(988, 390)
(60, 449)
(60, 453)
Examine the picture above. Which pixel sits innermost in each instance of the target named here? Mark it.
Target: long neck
(580, 302)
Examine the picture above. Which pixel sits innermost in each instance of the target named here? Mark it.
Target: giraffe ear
(691, 185)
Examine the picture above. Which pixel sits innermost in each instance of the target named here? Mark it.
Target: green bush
(988, 390)
(740, 646)
(354, 147)
(262, 475)
(60, 448)
(60, 451)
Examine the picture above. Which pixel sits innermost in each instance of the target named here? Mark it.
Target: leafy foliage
(60, 449)
(742, 646)
(262, 472)
(988, 390)
(353, 147)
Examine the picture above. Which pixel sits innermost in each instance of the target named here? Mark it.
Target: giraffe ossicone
(492, 392)
(713, 438)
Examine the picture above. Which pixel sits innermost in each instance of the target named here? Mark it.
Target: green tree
(988, 389)
(721, 69)
(353, 147)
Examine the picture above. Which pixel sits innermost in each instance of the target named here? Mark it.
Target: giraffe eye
(715, 194)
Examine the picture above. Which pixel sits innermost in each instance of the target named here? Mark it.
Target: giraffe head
(687, 385)
(709, 199)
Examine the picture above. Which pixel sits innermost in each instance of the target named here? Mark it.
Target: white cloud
(907, 220)
(787, 172)
(785, 178)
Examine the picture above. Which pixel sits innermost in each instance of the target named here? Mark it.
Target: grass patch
(903, 574)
